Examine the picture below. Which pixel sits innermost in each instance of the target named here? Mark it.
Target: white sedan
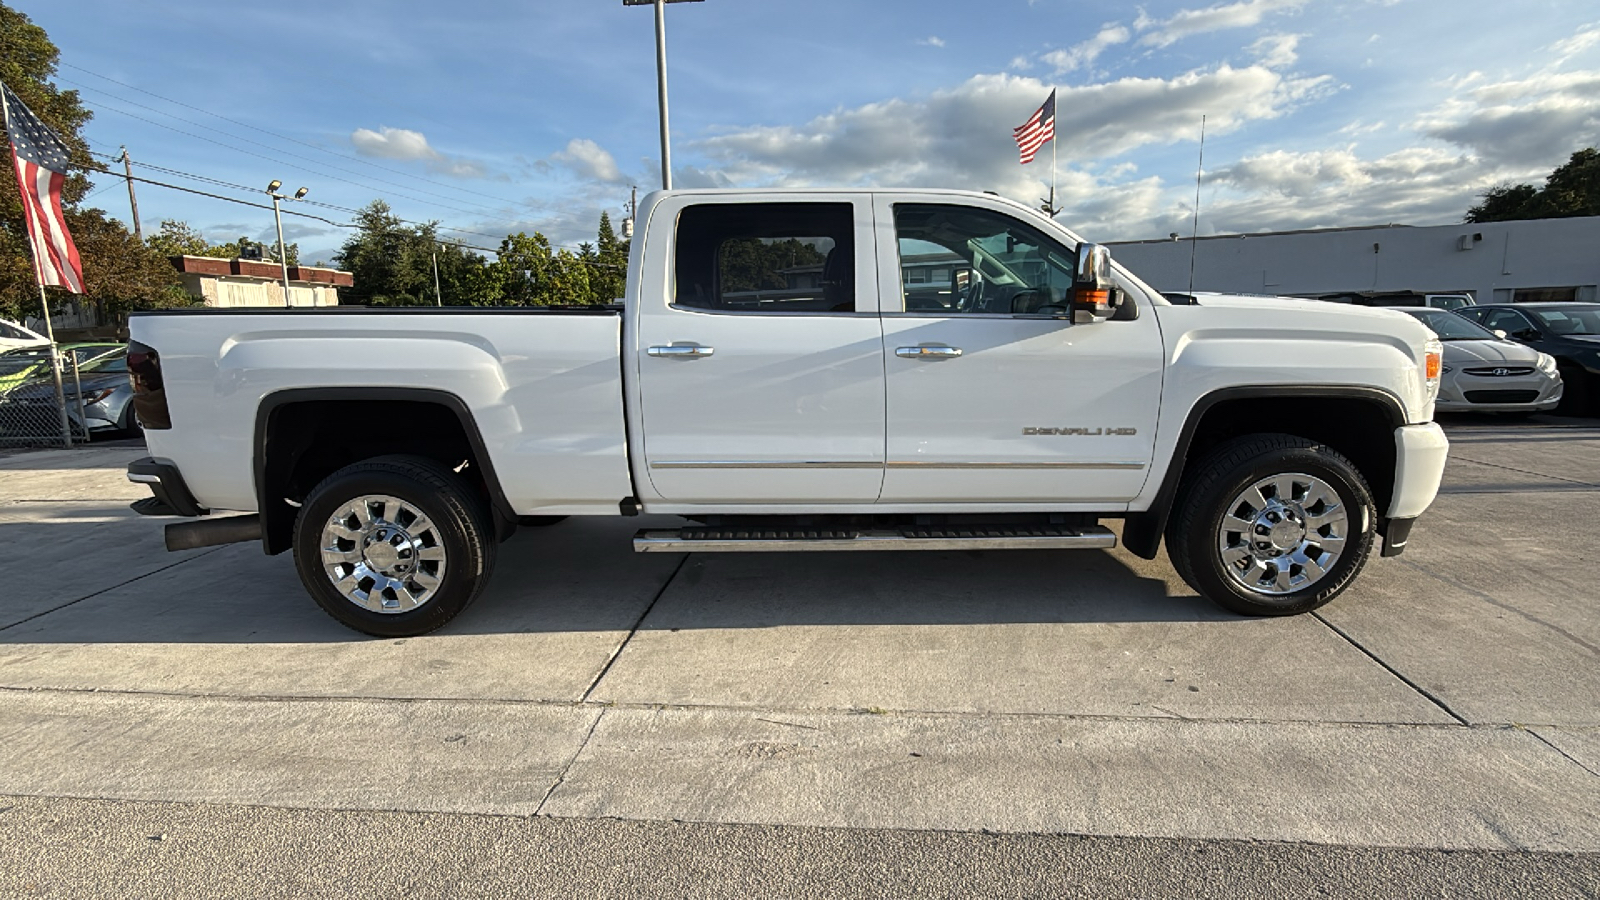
(1484, 372)
(15, 337)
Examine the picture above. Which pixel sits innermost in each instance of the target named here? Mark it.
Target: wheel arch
(1363, 420)
(294, 448)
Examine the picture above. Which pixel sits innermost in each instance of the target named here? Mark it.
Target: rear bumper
(171, 494)
(1419, 458)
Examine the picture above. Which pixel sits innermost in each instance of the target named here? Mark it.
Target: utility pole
(633, 212)
(438, 292)
(127, 167)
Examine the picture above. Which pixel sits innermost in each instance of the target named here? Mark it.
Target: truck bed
(544, 386)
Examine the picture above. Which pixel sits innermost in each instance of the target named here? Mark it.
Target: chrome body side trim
(759, 464)
(1089, 464)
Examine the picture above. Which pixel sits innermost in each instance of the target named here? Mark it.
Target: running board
(725, 540)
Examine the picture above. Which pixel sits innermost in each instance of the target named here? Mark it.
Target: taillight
(149, 394)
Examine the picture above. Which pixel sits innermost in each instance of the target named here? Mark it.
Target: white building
(1495, 262)
(245, 282)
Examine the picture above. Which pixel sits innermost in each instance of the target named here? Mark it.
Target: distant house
(231, 283)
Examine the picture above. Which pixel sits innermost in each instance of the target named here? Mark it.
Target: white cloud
(403, 143)
(1085, 53)
(1535, 121)
(931, 41)
(393, 143)
(1276, 51)
(590, 160)
(1187, 22)
(1569, 47)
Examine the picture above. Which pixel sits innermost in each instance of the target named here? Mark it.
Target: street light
(661, 79)
(277, 214)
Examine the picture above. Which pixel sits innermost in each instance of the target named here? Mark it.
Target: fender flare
(272, 540)
(1142, 532)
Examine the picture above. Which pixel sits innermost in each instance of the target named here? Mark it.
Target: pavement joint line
(1570, 758)
(113, 587)
(617, 653)
(1480, 462)
(1391, 669)
(982, 832)
(786, 710)
(561, 777)
(1490, 599)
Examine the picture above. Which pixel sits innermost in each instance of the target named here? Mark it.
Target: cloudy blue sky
(494, 117)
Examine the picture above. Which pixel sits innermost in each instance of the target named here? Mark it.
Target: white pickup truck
(802, 370)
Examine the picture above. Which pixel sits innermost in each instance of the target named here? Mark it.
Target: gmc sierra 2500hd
(802, 370)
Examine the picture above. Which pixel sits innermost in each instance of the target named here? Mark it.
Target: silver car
(1483, 372)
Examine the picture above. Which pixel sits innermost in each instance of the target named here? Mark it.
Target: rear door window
(765, 258)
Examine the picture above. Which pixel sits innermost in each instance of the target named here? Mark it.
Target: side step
(725, 540)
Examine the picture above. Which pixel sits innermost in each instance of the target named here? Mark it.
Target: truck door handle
(681, 351)
(928, 352)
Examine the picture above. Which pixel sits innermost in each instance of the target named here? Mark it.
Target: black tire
(462, 527)
(1195, 528)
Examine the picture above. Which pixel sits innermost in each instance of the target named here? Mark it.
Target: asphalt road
(997, 724)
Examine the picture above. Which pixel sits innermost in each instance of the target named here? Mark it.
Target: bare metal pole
(55, 359)
(661, 92)
(438, 293)
(283, 258)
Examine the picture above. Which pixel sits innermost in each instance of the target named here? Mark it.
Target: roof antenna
(1194, 236)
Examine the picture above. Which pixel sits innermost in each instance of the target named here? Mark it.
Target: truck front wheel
(394, 546)
(1271, 525)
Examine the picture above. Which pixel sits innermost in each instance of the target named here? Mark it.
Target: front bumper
(1420, 452)
(1533, 392)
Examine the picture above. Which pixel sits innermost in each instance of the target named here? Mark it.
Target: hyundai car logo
(1502, 372)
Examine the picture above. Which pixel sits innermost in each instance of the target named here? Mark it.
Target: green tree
(609, 269)
(392, 264)
(1572, 189)
(118, 272)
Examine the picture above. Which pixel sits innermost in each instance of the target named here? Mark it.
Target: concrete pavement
(1447, 701)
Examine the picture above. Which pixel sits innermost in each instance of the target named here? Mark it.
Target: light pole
(661, 79)
(277, 215)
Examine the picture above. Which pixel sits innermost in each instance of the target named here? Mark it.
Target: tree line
(1572, 189)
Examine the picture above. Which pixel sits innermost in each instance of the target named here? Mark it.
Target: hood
(1297, 304)
(1586, 338)
(1466, 353)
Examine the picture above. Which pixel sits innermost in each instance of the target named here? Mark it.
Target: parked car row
(28, 391)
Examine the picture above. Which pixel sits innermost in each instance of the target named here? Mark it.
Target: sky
(493, 117)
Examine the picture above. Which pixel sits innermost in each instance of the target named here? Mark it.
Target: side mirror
(1094, 296)
(1526, 334)
(1500, 333)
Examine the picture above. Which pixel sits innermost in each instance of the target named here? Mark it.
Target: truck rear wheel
(394, 546)
(1271, 525)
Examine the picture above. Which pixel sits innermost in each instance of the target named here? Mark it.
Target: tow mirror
(1094, 295)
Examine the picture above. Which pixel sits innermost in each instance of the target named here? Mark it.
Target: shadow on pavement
(578, 576)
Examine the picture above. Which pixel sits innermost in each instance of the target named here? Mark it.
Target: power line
(285, 137)
(280, 162)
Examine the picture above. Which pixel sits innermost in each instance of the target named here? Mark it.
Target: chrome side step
(734, 540)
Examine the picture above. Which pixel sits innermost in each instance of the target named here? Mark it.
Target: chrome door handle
(927, 352)
(681, 351)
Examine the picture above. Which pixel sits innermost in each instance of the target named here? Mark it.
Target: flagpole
(44, 302)
(1053, 209)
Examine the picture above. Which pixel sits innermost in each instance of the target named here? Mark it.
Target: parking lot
(1449, 701)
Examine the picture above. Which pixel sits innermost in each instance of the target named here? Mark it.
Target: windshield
(1579, 320)
(1449, 326)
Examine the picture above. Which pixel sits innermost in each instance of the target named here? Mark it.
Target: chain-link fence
(94, 396)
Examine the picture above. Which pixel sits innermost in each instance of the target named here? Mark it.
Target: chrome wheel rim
(1283, 534)
(383, 554)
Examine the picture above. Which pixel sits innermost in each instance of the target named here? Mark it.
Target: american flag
(40, 158)
(1037, 131)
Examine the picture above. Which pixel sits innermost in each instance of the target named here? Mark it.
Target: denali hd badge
(1087, 432)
